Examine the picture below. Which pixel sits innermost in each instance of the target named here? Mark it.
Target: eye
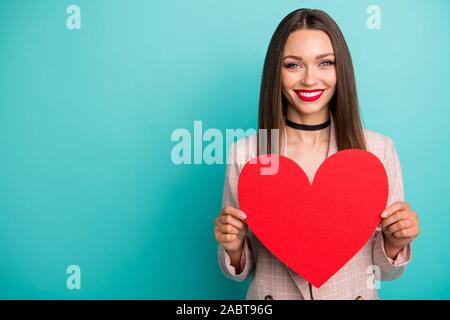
(292, 65)
(327, 63)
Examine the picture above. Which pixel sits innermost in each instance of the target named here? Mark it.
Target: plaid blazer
(359, 278)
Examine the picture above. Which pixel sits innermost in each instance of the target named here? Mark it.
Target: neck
(309, 138)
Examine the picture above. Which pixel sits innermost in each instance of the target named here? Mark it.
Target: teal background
(86, 117)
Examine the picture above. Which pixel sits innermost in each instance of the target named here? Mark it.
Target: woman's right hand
(230, 229)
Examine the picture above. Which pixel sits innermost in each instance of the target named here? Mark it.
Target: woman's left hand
(400, 226)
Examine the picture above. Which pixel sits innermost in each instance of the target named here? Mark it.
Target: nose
(309, 77)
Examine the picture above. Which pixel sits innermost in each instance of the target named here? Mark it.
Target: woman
(308, 91)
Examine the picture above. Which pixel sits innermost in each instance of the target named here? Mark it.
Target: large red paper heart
(314, 229)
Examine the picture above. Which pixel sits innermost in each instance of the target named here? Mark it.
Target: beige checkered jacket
(271, 279)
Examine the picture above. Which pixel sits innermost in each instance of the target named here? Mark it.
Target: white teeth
(310, 94)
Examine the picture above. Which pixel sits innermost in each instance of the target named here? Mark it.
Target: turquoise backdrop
(86, 117)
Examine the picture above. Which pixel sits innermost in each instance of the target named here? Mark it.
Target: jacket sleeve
(230, 198)
(391, 269)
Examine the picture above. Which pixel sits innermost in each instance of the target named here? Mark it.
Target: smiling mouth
(309, 95)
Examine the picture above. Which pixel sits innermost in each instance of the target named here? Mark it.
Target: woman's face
(308, 74)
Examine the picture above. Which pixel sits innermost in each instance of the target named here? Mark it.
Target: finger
(405, 233)
(399, 225)
(228, 228)
(396, 206)
(238, 214)
(224, 238)
(228, 219)
(399, 215)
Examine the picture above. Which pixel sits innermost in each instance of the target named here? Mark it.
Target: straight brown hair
(343, 106)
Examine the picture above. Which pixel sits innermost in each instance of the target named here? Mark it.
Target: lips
(309, 95)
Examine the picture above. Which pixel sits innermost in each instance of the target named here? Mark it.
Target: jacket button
(268, 297)
(359, 298)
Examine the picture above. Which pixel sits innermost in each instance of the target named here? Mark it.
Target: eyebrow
(320, 56)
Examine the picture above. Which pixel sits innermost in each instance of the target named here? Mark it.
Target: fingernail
(243, 215)
(384, 214)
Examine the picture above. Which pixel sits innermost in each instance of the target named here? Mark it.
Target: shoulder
(383, 147)
(379, 144)
(245, 148)
(242, 150)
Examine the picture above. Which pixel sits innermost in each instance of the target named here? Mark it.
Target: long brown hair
(343, 105)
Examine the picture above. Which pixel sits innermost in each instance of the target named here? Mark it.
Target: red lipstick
(309, 95)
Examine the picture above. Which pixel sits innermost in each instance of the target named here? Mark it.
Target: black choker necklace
(308, 127)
